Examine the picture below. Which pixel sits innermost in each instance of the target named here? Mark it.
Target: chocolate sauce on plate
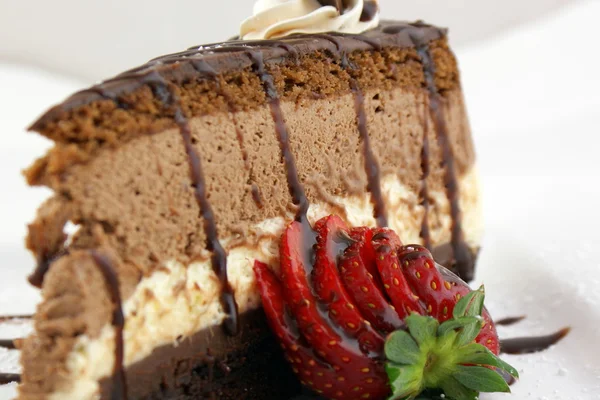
(8, 344)
(6, 318)
(9, 378)
(510, 320)
(526, 345)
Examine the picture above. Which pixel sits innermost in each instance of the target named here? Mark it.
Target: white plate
(534, 101)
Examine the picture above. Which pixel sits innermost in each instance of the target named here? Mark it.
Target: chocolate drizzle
(256, 196)
(294, 185)
(308, 240)
(464, 261)
(371, 166)
(9, 378)
(424, 193)
(165, 93)
(219, 257)
(526, 345)
(119, 381)
(43, 265)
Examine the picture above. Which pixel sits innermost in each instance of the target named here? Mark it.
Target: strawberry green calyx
(429, 355)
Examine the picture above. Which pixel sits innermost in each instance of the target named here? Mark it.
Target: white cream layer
(174, 304)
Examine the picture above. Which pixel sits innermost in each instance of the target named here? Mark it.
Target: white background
(533, 92)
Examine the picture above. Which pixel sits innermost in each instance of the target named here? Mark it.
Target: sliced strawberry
(380, 234)
(331, 291)
(366, 252)
(310, 369)
(362, 286)
(419, 269)
(440, 293)
(488, 335)
(394, 282)
(342, 353)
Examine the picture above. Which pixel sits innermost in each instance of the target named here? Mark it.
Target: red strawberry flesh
(311, 370)
(331, 291)
(358, 271)
(341, 291)
(342, 352)
(394, 282)
(439, 294)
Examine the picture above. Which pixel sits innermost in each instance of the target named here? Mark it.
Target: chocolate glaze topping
(464, 260)
(208, 60)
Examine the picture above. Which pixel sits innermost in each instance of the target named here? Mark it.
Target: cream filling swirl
(277, 18)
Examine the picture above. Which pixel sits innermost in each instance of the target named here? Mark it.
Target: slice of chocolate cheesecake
(181, 173)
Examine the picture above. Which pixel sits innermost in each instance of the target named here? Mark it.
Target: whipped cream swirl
(277, 18)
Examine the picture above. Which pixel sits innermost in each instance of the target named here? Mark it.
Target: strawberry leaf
(471, 305)
(480, 355)
(454, 390)
(468, 334)
(401, 348)
(456, 324)
(480, 379)
(422, 329)
(404, 380)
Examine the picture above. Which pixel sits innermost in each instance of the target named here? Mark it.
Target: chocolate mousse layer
(199, 158)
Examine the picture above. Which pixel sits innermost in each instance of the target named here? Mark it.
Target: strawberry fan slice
(360, 316)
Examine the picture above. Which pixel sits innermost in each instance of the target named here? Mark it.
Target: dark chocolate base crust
(213, 365)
